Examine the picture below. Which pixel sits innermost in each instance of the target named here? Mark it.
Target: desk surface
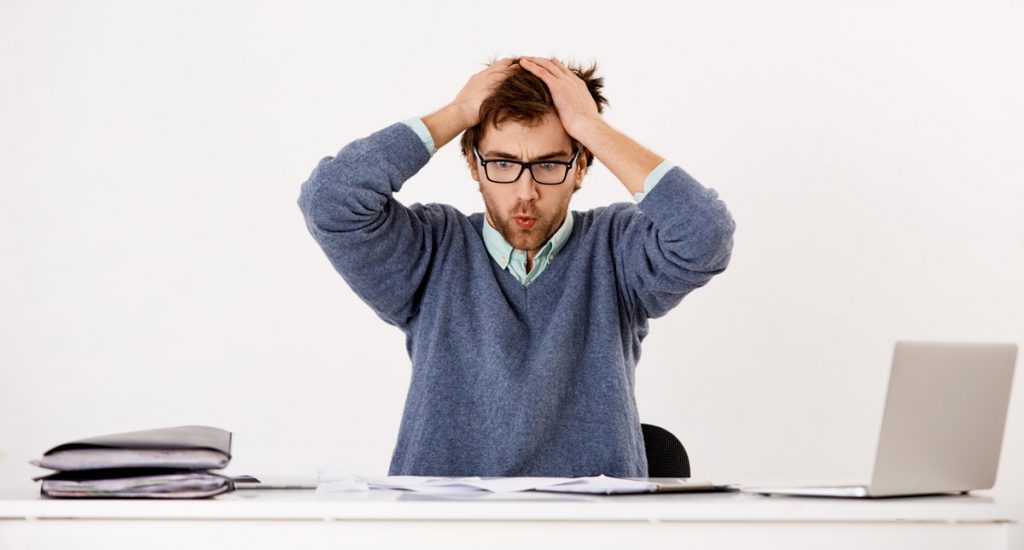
(25, 503)
(272, 519)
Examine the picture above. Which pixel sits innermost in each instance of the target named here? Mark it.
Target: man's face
(525, 212)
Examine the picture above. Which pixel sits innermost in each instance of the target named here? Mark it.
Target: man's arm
(464, 111)
(675, 242)
(627, 159)
(680, 237)
(380, 247)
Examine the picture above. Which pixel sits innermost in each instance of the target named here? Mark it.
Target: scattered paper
(601, 485)
(337, 477)
(341, 480)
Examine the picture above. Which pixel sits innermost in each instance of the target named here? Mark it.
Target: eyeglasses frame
(526, 165)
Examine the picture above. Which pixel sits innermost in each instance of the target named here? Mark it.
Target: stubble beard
(526, 239)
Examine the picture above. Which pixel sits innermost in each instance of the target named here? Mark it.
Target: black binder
(189, 447)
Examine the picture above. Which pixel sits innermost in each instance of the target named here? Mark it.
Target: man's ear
(474, 168)
(581, 171)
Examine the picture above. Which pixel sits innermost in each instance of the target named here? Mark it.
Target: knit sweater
(507, 379)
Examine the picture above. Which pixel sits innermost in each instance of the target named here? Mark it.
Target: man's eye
(502, 164)
(547, 166)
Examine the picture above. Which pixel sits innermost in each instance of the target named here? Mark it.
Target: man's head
(518, 122)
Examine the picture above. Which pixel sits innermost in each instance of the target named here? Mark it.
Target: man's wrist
(467, 115)
(447, 122)
(627, 159)
(591, 131)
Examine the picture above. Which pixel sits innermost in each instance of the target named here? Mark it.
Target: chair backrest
(666, 456)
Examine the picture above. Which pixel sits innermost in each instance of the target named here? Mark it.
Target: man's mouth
(525, 222)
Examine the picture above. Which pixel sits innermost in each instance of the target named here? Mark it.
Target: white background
(156, 270)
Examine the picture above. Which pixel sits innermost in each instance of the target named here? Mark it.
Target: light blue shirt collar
(502, 251)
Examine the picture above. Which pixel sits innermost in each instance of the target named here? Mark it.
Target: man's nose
(526, 188)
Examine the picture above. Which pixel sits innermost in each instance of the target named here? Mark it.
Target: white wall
(156, 270)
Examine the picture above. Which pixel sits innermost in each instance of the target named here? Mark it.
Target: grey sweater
(509, 380)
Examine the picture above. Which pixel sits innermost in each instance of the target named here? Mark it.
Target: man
(524, 322)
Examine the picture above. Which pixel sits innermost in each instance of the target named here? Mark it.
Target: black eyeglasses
(544, 172)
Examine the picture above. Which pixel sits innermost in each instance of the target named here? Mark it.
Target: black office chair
(666, 456)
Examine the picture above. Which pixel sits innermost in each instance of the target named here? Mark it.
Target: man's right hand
(479, 87)
(464, 111)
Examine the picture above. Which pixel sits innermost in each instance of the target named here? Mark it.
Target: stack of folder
(161, 463)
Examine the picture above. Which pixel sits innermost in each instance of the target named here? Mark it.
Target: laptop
(942, 429)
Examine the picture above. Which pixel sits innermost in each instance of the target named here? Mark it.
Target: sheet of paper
(453, 485)
(172, 485)
(338, 477)
(601, 485)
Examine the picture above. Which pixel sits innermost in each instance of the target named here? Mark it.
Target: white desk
(390, 519)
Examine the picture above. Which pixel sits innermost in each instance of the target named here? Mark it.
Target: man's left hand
(576, 107)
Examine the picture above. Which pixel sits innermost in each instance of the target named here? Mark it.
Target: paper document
(454, 485)
(142, 484)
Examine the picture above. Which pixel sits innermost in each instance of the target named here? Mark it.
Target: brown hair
(524, 98)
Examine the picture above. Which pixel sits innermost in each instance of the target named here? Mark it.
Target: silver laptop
(942, 429)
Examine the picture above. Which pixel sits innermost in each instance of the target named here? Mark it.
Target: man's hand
(479, 87)
(577, 111)
(464, 111)
(576, 107)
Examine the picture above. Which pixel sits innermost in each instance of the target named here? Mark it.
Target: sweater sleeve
(678, 238)
(380, 247)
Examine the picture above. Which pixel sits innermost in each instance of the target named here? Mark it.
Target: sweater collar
(501, 250)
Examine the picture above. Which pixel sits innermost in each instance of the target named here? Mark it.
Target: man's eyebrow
(510, 156)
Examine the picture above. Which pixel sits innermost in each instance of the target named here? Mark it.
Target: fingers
(545, 74)
(550, 67)
(565, 70)
(535, 66)
(500, 64)
(572, 99)
(551, 64)
(496, 72)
